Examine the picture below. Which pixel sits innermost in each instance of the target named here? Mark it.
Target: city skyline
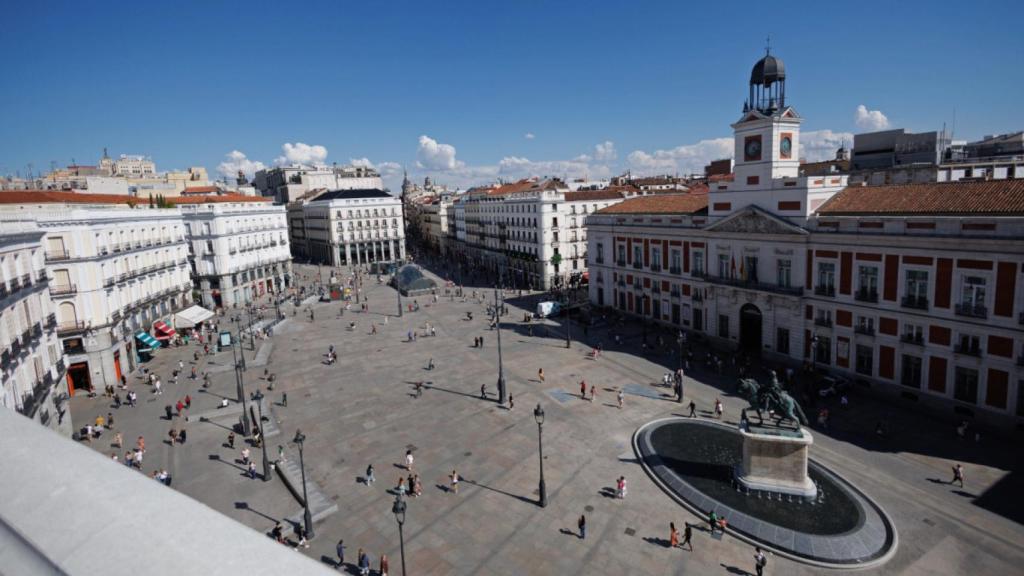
(517, 105)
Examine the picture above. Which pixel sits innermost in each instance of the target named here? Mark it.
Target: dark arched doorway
(750, 329)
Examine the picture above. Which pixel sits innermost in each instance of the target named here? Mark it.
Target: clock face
(752, 148)
(786, 146)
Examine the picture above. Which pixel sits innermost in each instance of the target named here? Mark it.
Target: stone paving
(364, 410)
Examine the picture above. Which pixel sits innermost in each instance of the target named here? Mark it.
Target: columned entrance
(750, 329)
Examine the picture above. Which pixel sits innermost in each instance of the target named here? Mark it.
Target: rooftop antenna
(767, 45)
(952, 130)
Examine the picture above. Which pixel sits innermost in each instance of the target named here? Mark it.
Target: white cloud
(432, 155)
(300, 153)
(238, 161)
(870, 119)
(389, 168)
(529, 136)
(822, 144)
(579, 167)
(687, 159)
(363, 162)
(605, 151)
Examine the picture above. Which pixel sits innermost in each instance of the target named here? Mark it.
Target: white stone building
(133, 166)
(914, 291)
(351, 228)
(33, 364)
(238, 246)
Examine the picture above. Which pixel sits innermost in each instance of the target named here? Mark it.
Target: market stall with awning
(191, 316)
(148, 340)
(164, 332)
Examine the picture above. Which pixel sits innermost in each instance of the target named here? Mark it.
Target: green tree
(150, 199)
(556, 260)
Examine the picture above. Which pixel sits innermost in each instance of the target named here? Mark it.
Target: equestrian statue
(772, 399)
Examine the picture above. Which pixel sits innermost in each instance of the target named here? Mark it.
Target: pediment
(754, 220)
(750, 116)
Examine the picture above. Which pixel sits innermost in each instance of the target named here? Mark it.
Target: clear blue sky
(189, 82)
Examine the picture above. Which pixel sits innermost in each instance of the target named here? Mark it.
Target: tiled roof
(973, 197)
(62, 197)
(217, 199)
(201, 190)
(659, 204)
(590, 195)
(721, 177)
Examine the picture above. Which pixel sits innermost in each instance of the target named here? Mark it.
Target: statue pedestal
(775, 460)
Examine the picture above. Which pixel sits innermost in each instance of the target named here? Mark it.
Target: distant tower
(427, 183)
(406, 184)
(106, 164)
(241, 180)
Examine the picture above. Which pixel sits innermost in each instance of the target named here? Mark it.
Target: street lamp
(241, 351)
(240, 391)
(258, 398)
(538, 415)
(398, 509)
(502, 392)
(300, 438)
(252, 334)
(398, 292)
(680, 339)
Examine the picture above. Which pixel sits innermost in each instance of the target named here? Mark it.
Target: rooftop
(352, 194)
(660, 204)
(996, 197)
(62, 197)
(589, 195)
(218, 199)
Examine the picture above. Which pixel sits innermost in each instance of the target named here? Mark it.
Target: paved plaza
(363, 410)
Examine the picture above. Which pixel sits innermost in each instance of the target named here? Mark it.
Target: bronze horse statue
(771, 398)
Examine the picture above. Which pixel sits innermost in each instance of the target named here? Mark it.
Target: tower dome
(767, 85)
(768, 70)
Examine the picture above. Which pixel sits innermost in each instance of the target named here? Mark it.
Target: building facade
(238, 247)
(33, 364)
(915, 291)
(350, 228)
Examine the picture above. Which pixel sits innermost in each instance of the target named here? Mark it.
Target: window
(822, 349)
(865, 325)
(826, 279)
(865, 359)
(911, 371)
(913, 333)
(972, 295)
(969, 344)
(723, 326)
(554, 222)
(655, 259)
(675, 261)
(750, 268)
(783, 273)
(867, 283)
(600, 253)
(917, 288)
(782, 340)
(965, 385)
(698, 263)
(638, 257)
(723, 265)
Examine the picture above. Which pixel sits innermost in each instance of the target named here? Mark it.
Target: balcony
(864, 329)
(58, 256)
(26, 280)
(971, 310)
(37, 331)
(675, 293)
(916, 302)
(917, 339)
(51, 321)
(655, 267)
(968, 349)
(72, 327)
(748, 284)
(638, 264)
(825, 290)
(823, 321)
(655, 289)
(675, 270)
(866, 295)
(63, 290)
(622, 264)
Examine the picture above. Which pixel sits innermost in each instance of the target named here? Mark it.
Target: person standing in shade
(340, 551)
(687, 536)
(693, 409)
(760, 560)
(582, 525)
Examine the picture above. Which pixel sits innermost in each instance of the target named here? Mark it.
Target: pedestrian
(172, 434)
(277, 533)
(540, 375)
(620, 398)
(188, 401)
(179, 406)
(687, 535)
(300, 531)
(693, 409)
(110, 420)
(408, 460)
(673, 535)
(417, 487)
(284, 399)
(181, 436)
(370, 478)
(231, 440)
(760, 561)
(245, 456)
(511, 404)
(383, 565)
(718, 408)
(156, 387)
(455, 482)
(582, 525)
(140, 444)
(181, 365)
(252, 470)
(401, 489)
(483, 391)
(364, 563)
(958, 475)
(340, 551)
(117, 400)
(124, 382)
(620, 488)
(583, 389)
(119, 440)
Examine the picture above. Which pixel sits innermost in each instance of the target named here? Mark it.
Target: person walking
(621, 397)
(593, 393)
(364, 563)
(583, 389)
(370, 478)
(760, 561)
(401, 486)
(408, 460)
(673, 535)
(417, 487)
(119, 440)
(620, 488)
(179, 406)
(300, 531)
(540, 375)
(252, 470)
(181, 436)
(511, 404)
(693, 409)
(582, 525)
(188, 401)
(687, 536)
(245, 456)
(339, 549)
(483, 391)
(455, 483)
(231, 440)
(169, 411)
(718, 408)
(383, 565)
(172, 436)
(958, 475)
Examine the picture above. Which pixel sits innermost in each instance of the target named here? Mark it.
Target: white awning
(191, 316)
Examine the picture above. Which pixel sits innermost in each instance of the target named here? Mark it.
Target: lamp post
(680, 339)
(398, 292)
(258, 397)
(240, 385)
(814, 351)
(252, 335)
(502, 391)
(398, 509)
(300, 438)
(238, 329)
(538, 415)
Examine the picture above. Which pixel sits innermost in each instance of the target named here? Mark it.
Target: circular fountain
(771, 493)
